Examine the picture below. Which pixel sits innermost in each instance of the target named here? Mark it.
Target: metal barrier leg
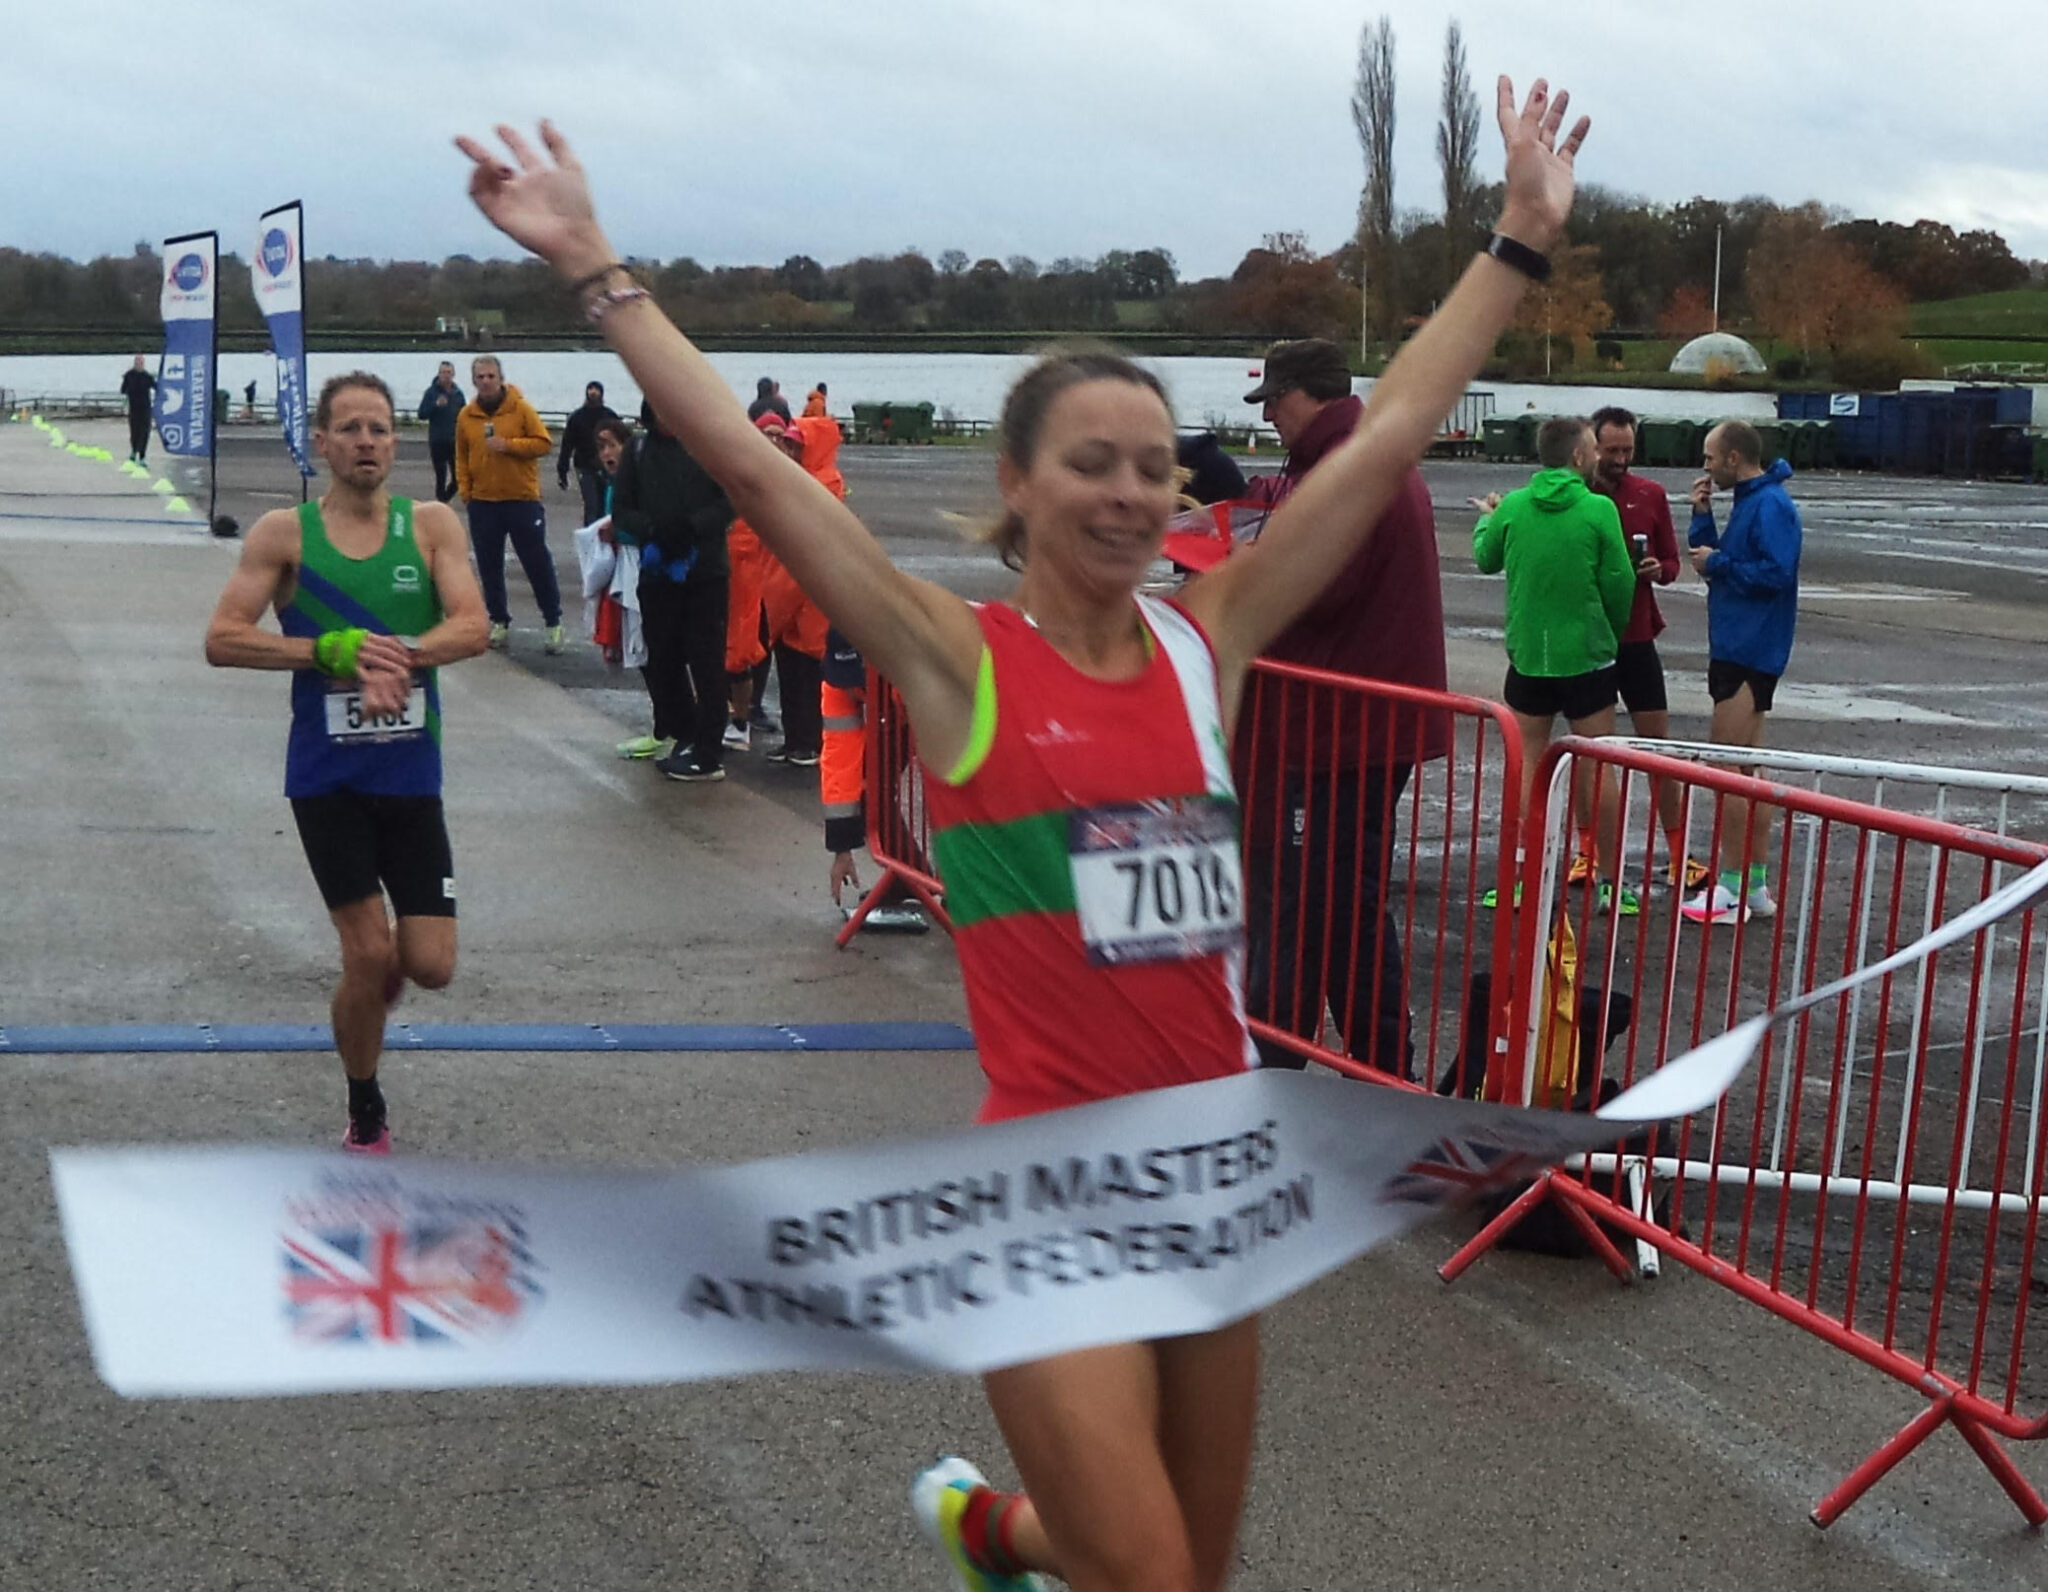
(1566, 1194)
(1545, 1187)
(1996, 1460)
(1878, 1465)
(1491, 1234)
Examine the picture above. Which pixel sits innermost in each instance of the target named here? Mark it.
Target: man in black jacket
(138, 386)
(667, 505)
(579, 449)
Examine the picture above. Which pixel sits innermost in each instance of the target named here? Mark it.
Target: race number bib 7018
(1157, 881)
(348, 720)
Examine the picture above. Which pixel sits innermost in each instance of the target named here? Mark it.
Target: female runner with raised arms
(1076, 740)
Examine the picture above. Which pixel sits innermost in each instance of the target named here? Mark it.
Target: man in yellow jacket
(499, 443)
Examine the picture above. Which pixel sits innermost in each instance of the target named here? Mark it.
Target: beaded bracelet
(603, 303)
(596, 276)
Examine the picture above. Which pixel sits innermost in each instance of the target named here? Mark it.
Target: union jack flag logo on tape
(1454, 1170)
(383, 1275)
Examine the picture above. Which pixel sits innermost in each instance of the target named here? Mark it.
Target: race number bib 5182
(348, 720)
(1157, 881)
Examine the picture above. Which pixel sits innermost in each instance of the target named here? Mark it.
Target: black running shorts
(361, 846)
(1639, 673)
(1576, 696)
(1724, 679)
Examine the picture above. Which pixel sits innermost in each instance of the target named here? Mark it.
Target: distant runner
(373, 592)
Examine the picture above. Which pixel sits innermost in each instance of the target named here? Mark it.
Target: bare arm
(1251, 597)
(922, 637)
(235, 638)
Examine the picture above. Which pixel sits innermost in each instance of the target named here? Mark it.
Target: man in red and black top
(1321, 785)
(1653, 544)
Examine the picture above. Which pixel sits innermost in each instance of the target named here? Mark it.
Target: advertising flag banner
(184, 379)
(277, 277)
(231, 1271)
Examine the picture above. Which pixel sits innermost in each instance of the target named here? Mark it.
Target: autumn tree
(1283, 289)
(1570, 309)
(1687, 314)
(1810, 288)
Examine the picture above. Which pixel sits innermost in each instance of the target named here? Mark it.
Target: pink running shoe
(379, 1145)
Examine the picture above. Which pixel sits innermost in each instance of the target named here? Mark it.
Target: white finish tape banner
(232, 1271)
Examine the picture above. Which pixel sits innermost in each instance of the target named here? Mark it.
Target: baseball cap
(1310, 363)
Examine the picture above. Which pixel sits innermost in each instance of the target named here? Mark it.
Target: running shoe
(758, 719)
(807, 758)
(1689, 877)
(738, 738)
(1580, 871)
(1723, 905)
(557, 642)
(643, 746)
(1491, 899)
(1631, 903)
(500, 634)
(938, 1497)
(1714, 905)
(685, 767)
(376, 1143)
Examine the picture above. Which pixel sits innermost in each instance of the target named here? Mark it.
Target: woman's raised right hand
(543, 205)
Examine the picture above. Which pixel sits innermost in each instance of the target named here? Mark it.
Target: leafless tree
(1372, 113)
(1457, 150)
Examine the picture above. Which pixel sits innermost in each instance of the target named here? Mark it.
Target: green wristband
(334, 652)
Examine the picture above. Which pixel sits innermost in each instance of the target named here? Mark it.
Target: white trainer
(1715, 904)
(938, 1497)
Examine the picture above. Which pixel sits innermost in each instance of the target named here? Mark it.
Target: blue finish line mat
(186, 1038)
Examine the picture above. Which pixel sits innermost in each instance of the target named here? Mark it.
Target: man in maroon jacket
(1646, 524)
(1321, 785)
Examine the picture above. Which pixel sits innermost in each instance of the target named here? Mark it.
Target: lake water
(1205, 391)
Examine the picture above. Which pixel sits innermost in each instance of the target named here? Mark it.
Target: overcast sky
(747, 133)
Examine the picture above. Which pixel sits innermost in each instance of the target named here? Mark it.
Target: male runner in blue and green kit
(373, 592)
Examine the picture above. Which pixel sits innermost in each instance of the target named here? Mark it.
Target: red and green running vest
(1089, 850)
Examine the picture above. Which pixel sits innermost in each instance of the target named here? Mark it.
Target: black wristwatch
(1532, 264)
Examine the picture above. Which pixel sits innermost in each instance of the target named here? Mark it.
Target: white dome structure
(1721, 348)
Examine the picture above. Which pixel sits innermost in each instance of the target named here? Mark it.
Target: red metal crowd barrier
(1376, 817)
(899, 830)
(1877, 1176)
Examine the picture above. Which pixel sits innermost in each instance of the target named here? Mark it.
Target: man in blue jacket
(1752, 573)
(442, 402)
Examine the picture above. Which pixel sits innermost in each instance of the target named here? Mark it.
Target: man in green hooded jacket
(1570, 585)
